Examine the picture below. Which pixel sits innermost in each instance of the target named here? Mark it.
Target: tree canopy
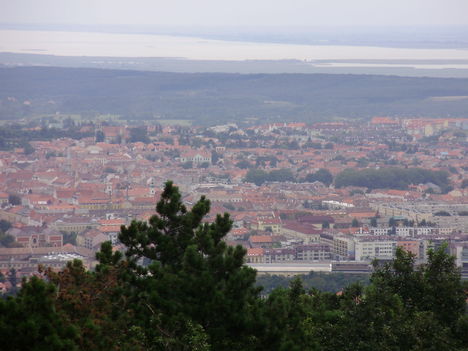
(322, 175)
(259, 176)
(179, 286)
(391, 177)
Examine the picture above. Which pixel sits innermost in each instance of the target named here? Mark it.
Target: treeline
(259, 176)
(219, 98)
(180, 287)
(327, 282)
(14, 136)
(391, 177)
(383, 178)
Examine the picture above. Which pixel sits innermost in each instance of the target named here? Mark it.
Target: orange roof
(110, 228)
(261, 239)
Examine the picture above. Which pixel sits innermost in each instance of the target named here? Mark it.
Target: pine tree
(30, 321)
(191, 285)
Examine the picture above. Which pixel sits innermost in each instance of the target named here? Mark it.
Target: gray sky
(237, 12)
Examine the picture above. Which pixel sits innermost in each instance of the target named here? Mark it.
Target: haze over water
(62, 43)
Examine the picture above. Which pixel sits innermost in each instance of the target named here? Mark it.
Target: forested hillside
(209, 98)
(193, 292)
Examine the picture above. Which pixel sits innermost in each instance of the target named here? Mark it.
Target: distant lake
(148, 45)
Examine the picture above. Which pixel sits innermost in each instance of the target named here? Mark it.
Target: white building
(368, 248)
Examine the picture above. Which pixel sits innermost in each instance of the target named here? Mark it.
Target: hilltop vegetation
(210, 98)
(180, 287)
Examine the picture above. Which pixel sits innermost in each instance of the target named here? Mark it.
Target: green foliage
(193, 279)
(99, 136)
(28, 149)
(4, 225)
(320, 281)
(139, 134)
(214, 157)
(258, 176)
(31, 322)
(442, 214)
(220, 98)
(243, 164)
(180, 287)
(437, 281)
(187, 165)
(393, 177)
(322, 175)
(14, 199)
(229, 206)
(69, 238)
(12, 136)
(7, 240)
(93, 303)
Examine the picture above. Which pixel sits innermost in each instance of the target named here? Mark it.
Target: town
(330, 196)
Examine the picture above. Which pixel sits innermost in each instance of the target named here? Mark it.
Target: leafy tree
(7, 240)
(109, 170)
(14, 199)
(392, 177)
(187, 165)
(4, 225)
(229, 206)
(435, 287)
(69, 238)
(243, 164)
(214, 157)
(139, 134)
(404, 308)
(373, 222)
(322, 175)
(28, 149)
(258, 176)
(355, 223)
(99, 136)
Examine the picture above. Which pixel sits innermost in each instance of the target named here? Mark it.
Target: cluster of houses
(69, 196)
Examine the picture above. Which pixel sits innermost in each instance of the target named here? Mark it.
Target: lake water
(140, 45)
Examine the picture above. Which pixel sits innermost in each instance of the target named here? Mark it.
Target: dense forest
(391, 177)
(209, 98)
(180, 287)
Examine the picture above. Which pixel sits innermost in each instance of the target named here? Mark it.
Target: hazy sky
(237, 12)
